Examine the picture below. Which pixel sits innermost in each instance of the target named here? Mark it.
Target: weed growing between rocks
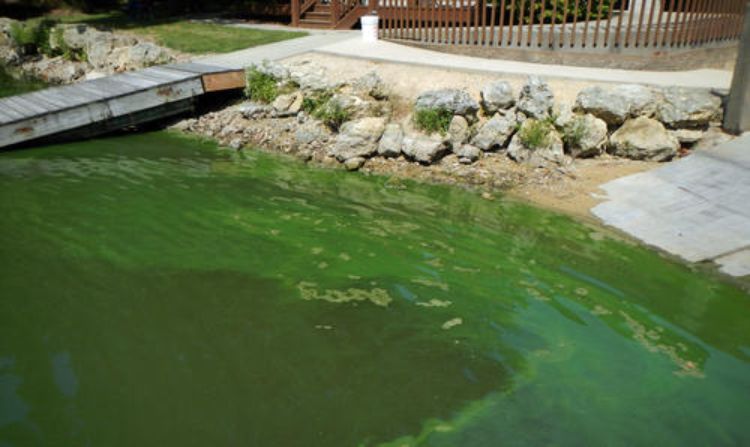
(33, 36)
(535, 134)
(261, 86)
(332, 114)
(574, 132)
(433, 120)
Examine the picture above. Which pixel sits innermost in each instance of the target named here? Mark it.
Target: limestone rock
(563, 115)
(273, 69)
(617, 104)
(585, 136)
(644, 139)
(536, 98)
(391, 141)
(354, 105)
(494, 134)
(311, 132)
(311, 76)
(458, 131)
(682, 107)
(354, 164)
(467, 153)
(371, 84)
(253, 110)
(497, 96)
(458, 102)
(358, 138)
(548, 153)
(288, 105)
(147, 54)
(425, 150)
(688, 136)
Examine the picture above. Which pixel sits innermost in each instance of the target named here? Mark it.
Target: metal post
(737, 116)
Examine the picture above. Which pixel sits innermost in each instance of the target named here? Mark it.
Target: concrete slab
(697, 208)
(384, 51)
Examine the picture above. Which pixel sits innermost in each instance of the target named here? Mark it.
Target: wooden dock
(101, 105)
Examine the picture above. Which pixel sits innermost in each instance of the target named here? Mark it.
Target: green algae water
(157, 290)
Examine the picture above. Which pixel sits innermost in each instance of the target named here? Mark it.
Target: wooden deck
(106, 104)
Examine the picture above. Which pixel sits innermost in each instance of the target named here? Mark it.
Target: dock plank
(198, 68)
(155, 97)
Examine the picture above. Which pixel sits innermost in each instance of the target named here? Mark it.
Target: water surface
(157, 290)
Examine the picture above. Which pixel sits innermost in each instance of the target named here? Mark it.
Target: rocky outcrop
(358, 138)
(617, 104)
(644, 138)
(371, 85)
(288, 105)
(681, 107)
(536, 98)
(497, 96)
(458, 102)
(494, 134)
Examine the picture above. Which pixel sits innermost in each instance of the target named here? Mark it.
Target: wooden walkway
(92, 107)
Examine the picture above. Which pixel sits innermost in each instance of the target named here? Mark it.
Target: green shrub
(433, 120)
(261, 86)
(574, 132)
(312, 102)
(33, 35)
(332, 113)
(558, 7)
(535, 134)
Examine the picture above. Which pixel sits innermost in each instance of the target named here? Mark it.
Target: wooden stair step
(318, 16)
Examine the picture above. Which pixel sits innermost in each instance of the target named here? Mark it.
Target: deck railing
(610, 25)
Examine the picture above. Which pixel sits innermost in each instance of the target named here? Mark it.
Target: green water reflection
(159, 291)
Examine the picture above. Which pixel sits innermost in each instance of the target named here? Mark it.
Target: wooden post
(737, 116)
(295, 12)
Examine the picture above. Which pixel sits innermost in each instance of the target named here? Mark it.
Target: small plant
(261, 86)
(433, 120)
(333, 114)
(61, 48)
(574, 132)
(534, 134)
(311, 103)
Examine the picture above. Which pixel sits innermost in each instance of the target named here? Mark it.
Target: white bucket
(369, 28)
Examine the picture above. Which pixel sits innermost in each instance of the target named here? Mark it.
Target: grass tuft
(534, 134)
(261, 87)
(574, 132)
(433, 120)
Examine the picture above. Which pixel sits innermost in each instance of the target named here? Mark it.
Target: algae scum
(161, 291)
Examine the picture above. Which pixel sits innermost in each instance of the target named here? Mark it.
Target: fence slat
(540, 37)
(531, 23)
(573, 39)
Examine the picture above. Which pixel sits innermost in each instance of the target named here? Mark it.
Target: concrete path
(697, 208)
(276, 51)
(390, 52)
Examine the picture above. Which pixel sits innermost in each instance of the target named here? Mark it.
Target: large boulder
(425, 150)
(358, 138)
(644, 138)
(545, 152)
(585, 136)
(494, 134)
(682, 107)
(615, 105)
(391, 141)
(354, 106)
(147, 54)
(536, 98)
(497, 96)
(458, 102)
